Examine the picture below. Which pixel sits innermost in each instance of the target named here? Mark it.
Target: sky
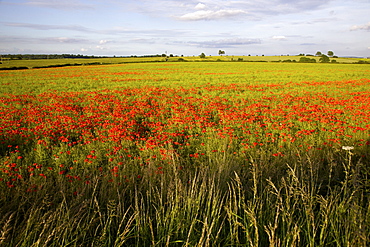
(185, 27)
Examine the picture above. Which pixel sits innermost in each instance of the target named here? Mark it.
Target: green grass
(185, 154)
(176, 74)
(119, 60)
(75, 62)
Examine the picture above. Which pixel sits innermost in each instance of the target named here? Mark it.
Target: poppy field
(185, 154)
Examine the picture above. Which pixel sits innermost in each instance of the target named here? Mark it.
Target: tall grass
(203, 207)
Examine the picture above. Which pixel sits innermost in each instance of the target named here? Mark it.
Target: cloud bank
(365, 27)
(211, 15)
(50, 27)
(218, 9)
(60, 5)
(225, 43)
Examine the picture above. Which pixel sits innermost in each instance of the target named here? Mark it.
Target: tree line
(43, 56)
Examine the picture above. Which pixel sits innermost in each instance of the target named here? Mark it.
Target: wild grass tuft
(203, 207)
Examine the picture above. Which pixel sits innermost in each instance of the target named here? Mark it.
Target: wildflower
(348, 148)
(278, 154)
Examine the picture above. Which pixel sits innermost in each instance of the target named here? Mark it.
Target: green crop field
(7, 63)
(192, 153)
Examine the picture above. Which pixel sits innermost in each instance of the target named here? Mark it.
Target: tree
(220, 52)
(324, 59)
(318, 54)
(307, 60)
(202, 55)
(330, 53)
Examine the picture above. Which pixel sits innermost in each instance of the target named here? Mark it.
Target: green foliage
(324, 59)
(363, 62)
(220, 52)
(307, 60)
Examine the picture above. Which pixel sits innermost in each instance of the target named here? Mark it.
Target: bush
(307, 60)
(324, 59)
(14, 68)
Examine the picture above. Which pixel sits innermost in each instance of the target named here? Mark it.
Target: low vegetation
(185, 154)
(47, 61)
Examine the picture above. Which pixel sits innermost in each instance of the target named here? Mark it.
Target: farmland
(185, 154)
(7, 63)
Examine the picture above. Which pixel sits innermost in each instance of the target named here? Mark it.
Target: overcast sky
(185, 27)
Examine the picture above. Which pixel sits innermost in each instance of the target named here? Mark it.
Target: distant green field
(6, 63)
(74, 61)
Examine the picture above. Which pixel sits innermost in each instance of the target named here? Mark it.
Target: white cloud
(218, 9)
(361, 27)
(200, 6)
(99, 47)
(63, 40)
(102, 42)
(280, 37)
(61, 5)
(47, 27)
(211, 15)
(224, 43)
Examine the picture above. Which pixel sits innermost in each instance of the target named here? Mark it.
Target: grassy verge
(224, 206)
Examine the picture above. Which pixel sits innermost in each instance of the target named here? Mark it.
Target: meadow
(16, 64)
(185, 154)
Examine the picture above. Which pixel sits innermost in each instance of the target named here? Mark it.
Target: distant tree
(202, 55)
(318, 54)
(220, 52)
(324, 59)
(307, 60)
(330, 53)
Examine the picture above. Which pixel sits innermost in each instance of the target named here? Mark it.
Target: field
(185, 154)
(6, 63)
